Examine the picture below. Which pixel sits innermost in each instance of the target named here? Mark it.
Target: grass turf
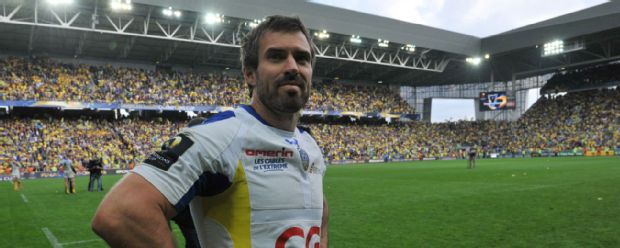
(540, 202)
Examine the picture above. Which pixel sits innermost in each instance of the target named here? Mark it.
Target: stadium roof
(91, 29)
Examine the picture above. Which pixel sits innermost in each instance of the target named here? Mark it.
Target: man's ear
(250, 76)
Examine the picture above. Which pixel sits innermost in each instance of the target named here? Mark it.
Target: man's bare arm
(324, 224)
(134, 214)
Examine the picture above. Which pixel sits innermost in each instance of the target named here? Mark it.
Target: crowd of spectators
(40, 144)
(45, 79)
(578, 120)
(581, 120)
(356, 98)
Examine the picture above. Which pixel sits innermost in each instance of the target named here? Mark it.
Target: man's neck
(284, 121)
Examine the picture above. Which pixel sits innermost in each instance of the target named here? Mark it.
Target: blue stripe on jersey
(253, 113)
(218, 117)
(208, 184)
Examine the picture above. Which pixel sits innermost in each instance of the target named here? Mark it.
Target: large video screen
(496, 100)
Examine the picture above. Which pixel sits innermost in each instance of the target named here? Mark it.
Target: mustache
(295, 79)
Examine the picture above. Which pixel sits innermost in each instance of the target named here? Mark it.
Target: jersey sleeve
(176, 169)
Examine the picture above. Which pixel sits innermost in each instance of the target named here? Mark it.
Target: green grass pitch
(539, 202)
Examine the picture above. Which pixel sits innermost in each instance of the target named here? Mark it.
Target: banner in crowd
(59, 174)
(58, 104)
(201, 108)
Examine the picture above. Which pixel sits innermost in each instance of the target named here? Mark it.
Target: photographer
(95, 166)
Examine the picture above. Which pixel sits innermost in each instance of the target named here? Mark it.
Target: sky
(443, 110)
(479, 18)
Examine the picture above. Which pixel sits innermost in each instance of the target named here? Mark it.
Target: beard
(281, 101)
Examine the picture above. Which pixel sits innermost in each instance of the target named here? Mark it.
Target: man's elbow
(104, 224)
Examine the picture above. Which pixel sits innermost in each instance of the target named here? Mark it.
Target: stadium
(114, 80)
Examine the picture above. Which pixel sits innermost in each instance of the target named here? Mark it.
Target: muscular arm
(324, 226)
(134, 214)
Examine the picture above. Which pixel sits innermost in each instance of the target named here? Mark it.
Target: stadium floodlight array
(322, 35)
(170, 12)
(473, 60)
(60, 2)
(553, 48)
(121, 5)
(355, 39)
(408, 48)
(211, 18)
(254, 23)
(383, 43)
(558, 47)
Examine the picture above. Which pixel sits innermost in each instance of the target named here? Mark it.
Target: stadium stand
(585, 122)
(46, 79)
(591, 77)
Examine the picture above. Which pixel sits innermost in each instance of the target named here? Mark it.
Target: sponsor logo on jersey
(305, 158)
(269, 153)
(269, 160)
(170, 152)
(312, 238)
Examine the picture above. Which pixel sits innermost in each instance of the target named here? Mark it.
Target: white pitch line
(24, 198)
(53, 240)
(80, 241)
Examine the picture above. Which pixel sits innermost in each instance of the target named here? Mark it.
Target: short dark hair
(275, 23)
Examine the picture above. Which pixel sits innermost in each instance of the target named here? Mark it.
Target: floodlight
(487, 56)
(408, 48)
(60, 2)
(167, 11)
(553, 48)
(121, 5)
(383, 43)
(355, 39)
(254, 23)
(211, 18)
(473, 60)
(322, 35)
(170, 12)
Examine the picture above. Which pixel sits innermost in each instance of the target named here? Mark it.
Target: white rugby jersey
(67, 165)
(250, 184)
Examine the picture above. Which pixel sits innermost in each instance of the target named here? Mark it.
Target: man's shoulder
(218, 128)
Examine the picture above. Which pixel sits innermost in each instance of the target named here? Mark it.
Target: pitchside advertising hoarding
(496, 100)
(57, 174)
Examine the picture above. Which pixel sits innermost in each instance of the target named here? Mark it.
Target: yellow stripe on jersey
(231, 209)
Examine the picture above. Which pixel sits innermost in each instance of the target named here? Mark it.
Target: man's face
(283, 78)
